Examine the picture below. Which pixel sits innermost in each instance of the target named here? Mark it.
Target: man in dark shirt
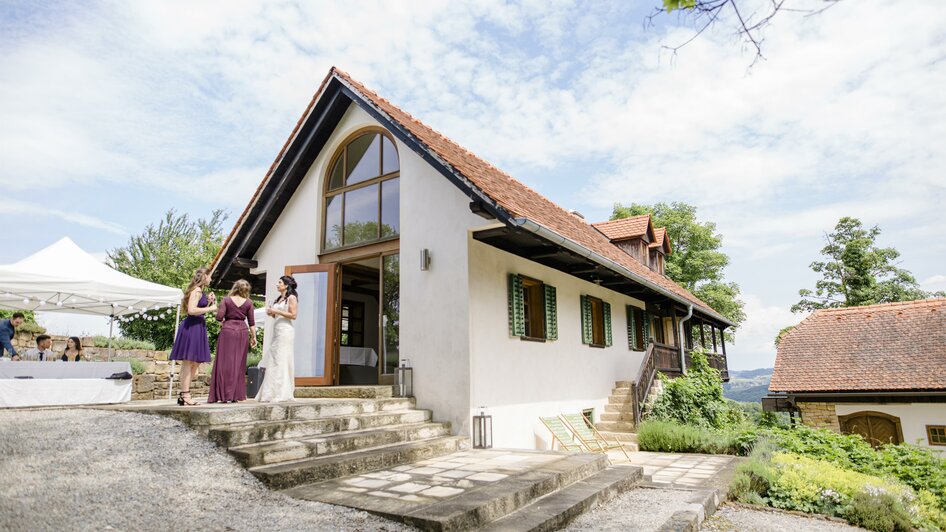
(7, 330)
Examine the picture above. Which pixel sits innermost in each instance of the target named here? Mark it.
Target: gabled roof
(627, 228)
(503, 197)
(887, 347)
(661, 240)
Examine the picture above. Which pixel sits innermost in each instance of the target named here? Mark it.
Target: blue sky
(113, 112)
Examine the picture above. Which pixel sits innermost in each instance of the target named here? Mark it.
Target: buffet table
(63, 383)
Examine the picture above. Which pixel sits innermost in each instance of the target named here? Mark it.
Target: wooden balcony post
(722, 339)
(713, 333)
(702, 335)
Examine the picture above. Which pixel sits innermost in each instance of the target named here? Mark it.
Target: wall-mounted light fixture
(424, 260)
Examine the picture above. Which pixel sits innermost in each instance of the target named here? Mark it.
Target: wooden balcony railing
(666, 359)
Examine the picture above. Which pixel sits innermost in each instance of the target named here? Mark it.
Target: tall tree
(168, 253)
(696, 263)
(857, 272)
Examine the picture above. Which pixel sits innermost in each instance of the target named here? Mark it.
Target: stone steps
(205, 417)
(554, 511)
(259, 454)
(615, 426)
(294, 473)
(480, 502)
(617, 416)
(621, 400)
(629, 437)
(267, 431)
(345, 392)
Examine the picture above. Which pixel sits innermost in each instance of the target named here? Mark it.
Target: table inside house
(358, 356)
(63, 383)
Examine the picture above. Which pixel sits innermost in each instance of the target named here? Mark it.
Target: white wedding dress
(278, 381)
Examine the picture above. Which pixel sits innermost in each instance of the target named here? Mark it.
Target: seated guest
(7, 330)
(73, 351)
(43, 350)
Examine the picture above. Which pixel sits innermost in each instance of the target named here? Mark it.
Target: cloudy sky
(112, 113)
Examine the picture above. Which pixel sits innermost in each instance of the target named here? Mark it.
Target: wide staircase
(332, 441)
(618, 419)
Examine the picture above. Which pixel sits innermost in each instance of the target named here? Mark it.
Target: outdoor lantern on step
(405, 379)
(482, 430)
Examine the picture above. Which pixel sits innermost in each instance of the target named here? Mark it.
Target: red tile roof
(892, 346)
(625, 228)
(511, 195)
(661, 240)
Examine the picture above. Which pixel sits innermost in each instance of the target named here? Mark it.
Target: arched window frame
(340, 152)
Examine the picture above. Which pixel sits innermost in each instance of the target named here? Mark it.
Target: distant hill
(748, 386)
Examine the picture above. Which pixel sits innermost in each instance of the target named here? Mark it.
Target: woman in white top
(278, 383)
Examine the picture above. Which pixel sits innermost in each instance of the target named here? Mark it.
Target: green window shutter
(631, 329)
(607, 323)
(587, 336)
(551, 314)
(517, 319)
(646, 329)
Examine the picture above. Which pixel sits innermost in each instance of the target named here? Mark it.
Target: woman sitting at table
(73, 351)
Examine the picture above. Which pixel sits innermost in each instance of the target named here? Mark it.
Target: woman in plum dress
(278, 383)
(227, 383)
(191, 346)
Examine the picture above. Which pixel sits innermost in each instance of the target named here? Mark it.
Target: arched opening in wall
(876, 427)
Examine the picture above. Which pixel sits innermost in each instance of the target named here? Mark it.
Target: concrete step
(259, 454)
(289, 474)
(617, 416)
(621, 408)
(622, 391)
(555, 510)
(620, 399)
(615, 426)
(205, 416)
(264, 431)
(460, 508)
(623, 384)
(624, 437)
(342, 392)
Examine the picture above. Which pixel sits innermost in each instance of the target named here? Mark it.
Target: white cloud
(13, 206)
(934, 283)
(754, 346)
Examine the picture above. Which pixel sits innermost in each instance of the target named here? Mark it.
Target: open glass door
(314, 356)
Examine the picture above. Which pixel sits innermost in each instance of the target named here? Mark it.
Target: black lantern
(405, 381)
(482, 430)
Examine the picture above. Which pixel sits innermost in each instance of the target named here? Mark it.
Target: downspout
(683, 341)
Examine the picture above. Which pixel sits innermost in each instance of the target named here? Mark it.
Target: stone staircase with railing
(618, 419)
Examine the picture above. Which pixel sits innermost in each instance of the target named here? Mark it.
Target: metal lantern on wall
(405, 379)
(482, 430)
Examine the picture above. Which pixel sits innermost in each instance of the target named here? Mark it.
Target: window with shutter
(517, 323)
(595, 331)
(635, 328)
(587, 336)
(645, 324)
(551, 314)
(532, 309)
(606, 310)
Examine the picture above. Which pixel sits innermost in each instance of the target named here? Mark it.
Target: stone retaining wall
(151, 384)
(820, 415)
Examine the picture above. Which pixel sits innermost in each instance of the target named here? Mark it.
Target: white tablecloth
(63, 383)
(358, 356)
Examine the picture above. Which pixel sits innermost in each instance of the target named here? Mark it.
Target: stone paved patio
(681, 469)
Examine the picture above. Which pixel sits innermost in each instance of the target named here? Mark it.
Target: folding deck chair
(562, 435)
(589, 436)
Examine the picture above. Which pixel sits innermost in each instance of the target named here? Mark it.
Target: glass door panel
(390, 312)
(314, 350)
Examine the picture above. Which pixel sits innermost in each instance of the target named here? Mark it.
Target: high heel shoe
(185, 402)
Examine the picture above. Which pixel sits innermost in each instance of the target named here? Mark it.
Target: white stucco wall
(914, 417)
(518, 380)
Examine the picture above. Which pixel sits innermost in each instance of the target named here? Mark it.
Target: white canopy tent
(64, 278)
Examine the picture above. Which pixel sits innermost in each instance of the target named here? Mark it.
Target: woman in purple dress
(227, 383)
(191, 346)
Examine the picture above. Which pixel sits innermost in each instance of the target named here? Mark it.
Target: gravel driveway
(732, 518)
(91, 469)
(641, 509)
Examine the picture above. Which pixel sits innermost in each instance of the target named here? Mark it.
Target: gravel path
(732, 518)
(641, 509)
(91, 469)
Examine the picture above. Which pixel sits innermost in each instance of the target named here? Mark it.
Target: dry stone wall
(820, 415)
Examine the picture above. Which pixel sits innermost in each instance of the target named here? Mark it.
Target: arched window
(361, 193)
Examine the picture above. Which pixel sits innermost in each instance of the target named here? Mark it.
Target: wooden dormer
(633, 235)
(659, 249)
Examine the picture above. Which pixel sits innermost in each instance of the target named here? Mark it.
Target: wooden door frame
(330, 370)
(842, 420)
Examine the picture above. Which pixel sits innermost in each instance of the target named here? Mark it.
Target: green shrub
(696, 398)
(253, 360)
(881, 512)
(33, 328)
(137, 366)
(753, 478)
(123, 343)
(667, 436)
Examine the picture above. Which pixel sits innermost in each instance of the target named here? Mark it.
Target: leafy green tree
(168, 253)
(781, 333)
(696, 263)
(857, 272)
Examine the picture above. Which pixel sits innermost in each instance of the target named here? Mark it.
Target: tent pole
(177, 323)
(111, 325)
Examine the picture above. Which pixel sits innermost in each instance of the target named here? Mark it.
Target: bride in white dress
(278, 381)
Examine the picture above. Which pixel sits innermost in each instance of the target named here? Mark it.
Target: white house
(876, 370)
(407, 246)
